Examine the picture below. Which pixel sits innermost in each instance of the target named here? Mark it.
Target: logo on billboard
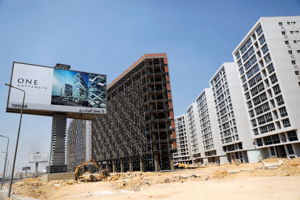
(29, 83)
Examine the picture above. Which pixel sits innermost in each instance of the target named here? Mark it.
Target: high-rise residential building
(138, 131)
(213, 151)
(193, 122)
(233, 124)
(268, 60)
(78, 143)
(183, 154)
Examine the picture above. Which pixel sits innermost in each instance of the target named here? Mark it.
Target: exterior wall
(183, 154)
(274, 109)
(209, 128)
(233, 124)
(193, 121)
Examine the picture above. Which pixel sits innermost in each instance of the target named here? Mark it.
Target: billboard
(38, 157)
(26, 168)
(50, 90)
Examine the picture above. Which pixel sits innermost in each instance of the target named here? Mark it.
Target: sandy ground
(246, 181)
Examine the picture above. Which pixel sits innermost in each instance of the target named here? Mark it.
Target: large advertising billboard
(38, 157)
(50, 90)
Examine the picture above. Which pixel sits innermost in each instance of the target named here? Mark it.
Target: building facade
(183, 154)
(268, 61)
(213, 151)
(193, 123)
(233, 124)
(138, 131)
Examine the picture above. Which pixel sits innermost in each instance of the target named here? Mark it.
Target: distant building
(193, 125)
(183, 154)
(66, 90)
(211, 144)
(78, 143)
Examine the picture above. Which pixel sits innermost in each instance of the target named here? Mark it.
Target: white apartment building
(213, 151)
(230, 108)
(183, 154)
(268, 60)
(193, 123)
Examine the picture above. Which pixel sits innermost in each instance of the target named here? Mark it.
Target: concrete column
(142, 167)
(114, 166)
(57, 152)
(107, 165)
(171, 161)
(130, 164)
(156, 163)
(122, 166)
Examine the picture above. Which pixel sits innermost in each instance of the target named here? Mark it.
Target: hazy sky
(107, 36)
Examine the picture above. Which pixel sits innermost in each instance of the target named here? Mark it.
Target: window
(280, 23)
(286, 123)
(276, 89)
(298, 51)
(292, 135)
(293, 62)
(290, 148)
(243, 79)
(283, 112)
(292, 32)
(240, 63)
(297, 31)
(297, 72)
(251, 113)
(270, 68)
(241, 71)
(286, 42)
(237, 55)
(290, 52)
(262, 40)
(259, 31)
(255, 80)
(273, 78)
(246, 45)
(259, 142)
(250, 62)
(252, 71)
(265, 49)
(295, 41)
(294, 22)
(288, 23)
(249, 53)
(283, 32)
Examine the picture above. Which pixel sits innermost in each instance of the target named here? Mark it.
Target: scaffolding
(138, 132)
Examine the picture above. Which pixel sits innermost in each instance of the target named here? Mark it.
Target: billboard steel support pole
(15, 156)
(3, 175)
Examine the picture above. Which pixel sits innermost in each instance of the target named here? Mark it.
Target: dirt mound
(34, 188)
(220, 174)
(295, 162)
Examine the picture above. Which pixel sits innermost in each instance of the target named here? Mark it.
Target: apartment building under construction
(138, 131)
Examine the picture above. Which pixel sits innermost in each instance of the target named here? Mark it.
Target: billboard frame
(73, 115)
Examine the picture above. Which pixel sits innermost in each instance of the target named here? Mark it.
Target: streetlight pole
(5, 160)
(15, 156)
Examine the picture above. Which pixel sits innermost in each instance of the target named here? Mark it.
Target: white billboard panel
(38, 157)
(50, 90)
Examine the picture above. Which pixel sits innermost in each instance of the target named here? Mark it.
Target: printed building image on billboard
(50, 90)
(70, 88)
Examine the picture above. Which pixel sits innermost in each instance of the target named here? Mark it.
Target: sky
(107, 36)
